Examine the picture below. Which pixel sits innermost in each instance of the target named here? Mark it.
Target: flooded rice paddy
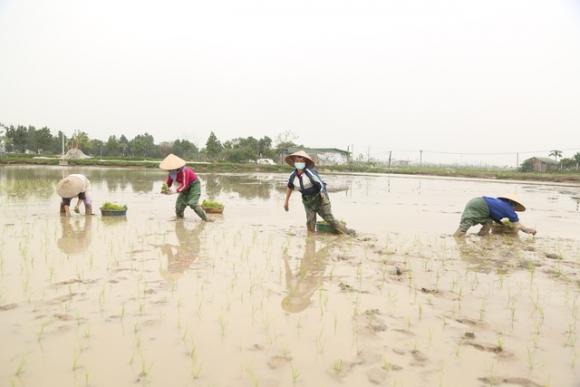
(252, 300)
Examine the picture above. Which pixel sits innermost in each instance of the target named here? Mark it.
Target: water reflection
(76, 234)
(23, 182)
(500, 253)
(180, 257)
(302, 285)
(247, 187)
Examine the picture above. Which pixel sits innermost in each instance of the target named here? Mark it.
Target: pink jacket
(184, 177)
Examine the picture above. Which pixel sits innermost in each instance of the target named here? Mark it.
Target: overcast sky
(452, 76)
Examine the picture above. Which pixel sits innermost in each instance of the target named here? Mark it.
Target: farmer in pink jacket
(189, 188)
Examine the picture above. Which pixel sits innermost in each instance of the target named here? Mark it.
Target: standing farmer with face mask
(307, 181)
(189, 189)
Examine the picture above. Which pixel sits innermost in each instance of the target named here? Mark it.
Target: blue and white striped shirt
(308, 187)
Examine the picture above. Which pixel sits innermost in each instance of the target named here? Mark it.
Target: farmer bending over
(499, 213)
(72, 186)
(189, 189)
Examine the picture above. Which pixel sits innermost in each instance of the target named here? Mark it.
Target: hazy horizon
(487, 79)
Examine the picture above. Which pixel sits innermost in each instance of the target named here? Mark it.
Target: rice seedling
(75, 360)
(499, 343)
(320, 342)
(295, 375)
(87, 378)
(338, 367)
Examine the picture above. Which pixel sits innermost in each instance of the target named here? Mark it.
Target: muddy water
(251, 300)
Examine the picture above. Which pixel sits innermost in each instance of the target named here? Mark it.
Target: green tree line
(43, 141)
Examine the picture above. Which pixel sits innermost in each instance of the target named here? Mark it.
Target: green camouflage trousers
(476, 212)
(320, 204)
(190, 198)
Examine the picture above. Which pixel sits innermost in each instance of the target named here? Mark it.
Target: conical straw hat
(171, 162)
(290, 158)
(70, 186)
(513, 198)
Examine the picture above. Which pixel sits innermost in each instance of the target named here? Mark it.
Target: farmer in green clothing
(494, 214)
(189, 189)
(307, 181)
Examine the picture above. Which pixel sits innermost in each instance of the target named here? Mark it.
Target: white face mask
(173, 174)
(299, 165)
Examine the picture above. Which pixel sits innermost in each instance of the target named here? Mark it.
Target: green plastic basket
(113, 212)
(325, 227)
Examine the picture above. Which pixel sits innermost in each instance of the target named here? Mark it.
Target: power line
(476, 153)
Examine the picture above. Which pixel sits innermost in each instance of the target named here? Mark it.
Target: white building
(322, 156)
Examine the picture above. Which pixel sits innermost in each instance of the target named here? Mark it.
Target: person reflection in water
(502, 254)
(302, 285)
(76, 235)
(180, 257)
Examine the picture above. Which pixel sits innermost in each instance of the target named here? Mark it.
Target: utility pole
(369, 155)
(517, 160)
(421, 158)
(390, 154)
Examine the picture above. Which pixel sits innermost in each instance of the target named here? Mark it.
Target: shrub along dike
(224, 167)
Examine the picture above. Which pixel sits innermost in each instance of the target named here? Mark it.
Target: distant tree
(265, 147)
(96, 147)
(56, 147)
(577, 159)
(567, 163)
(124, 145)
(165, 148)
(557, 154)
(18, 138)
(112, 146)
(184, 148)
(41, 140)
(143, 145)
(527, 165)
(213, 147)
(3, 139)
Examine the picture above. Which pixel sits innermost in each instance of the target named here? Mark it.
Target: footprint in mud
(419, 358)
(369, 356)
(553, 256)
(496, 381)
(7, 307)
(63, 299)
(63, 317)
(498, 350)
(385, 252)
(346, 288)
(470, 322)
(279, 361)
(342, 258)
(398, 273)
(73, 281)
(377, 376)
(430, 291)
(370, 322)
(404, 332)
(340, 368)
